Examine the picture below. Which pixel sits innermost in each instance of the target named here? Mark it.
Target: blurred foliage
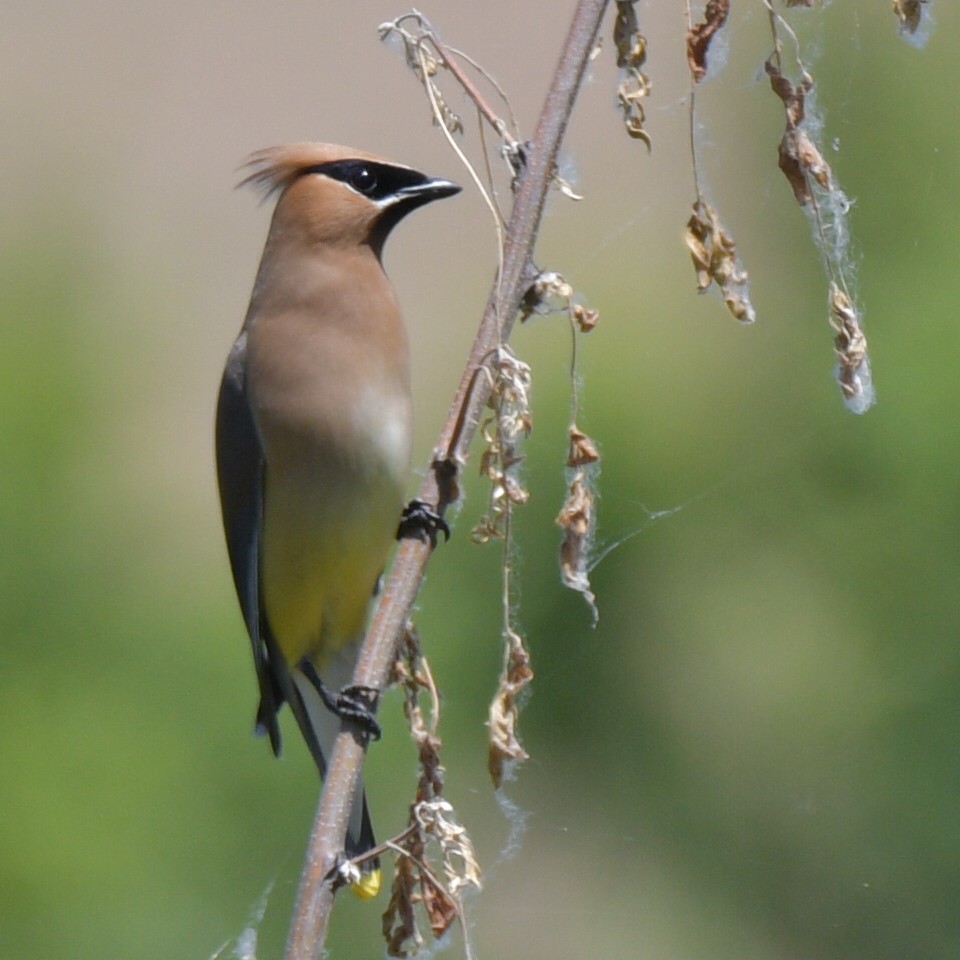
(753, 755)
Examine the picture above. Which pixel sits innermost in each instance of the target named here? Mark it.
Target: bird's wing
(240, 470)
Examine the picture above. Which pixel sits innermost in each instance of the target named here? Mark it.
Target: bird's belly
(327, 531)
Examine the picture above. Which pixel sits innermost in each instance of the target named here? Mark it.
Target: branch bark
(315, 896)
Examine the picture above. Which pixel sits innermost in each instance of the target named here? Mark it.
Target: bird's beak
(429, 190)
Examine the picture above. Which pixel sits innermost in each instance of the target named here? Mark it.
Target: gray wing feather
(241, 477)
(240, 474)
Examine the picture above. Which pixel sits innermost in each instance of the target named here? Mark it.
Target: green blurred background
(754, 755)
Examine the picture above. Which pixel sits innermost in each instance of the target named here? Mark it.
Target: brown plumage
(314, 428)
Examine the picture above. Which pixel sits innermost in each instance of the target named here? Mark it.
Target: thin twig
(315, 897)
(487, 197)
(450, 62)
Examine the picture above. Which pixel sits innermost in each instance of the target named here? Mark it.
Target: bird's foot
(420, 521)
(356, 703)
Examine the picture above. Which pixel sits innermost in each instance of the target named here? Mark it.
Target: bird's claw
(356, 703)
(420, 521)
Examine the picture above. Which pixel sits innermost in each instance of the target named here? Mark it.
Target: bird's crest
(272, 170)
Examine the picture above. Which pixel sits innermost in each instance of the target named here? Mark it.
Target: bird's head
(335, 195)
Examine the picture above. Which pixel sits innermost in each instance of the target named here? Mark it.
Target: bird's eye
(363, 180)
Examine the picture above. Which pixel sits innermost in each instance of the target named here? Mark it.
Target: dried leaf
(811, 179)
(909, 13)
(714, 256)
(584, 318)
(850, 346)
(701, 34)
(811, 159)
(502, 433)
(412, 672)
(789, 162)
(576, 519)
(631, 91)
(503, 744)
(583, 450)
(548, 293)
(441, 910)
(576, 515)
(631, 46)
(564, 187)
(436, 818)
(399, 923)
(798, 155)
(514, 490)
(792, 95)
(634, 84)
(432, 818)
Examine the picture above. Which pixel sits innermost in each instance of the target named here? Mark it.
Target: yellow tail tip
(368, 885)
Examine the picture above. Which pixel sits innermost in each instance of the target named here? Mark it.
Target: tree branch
(377, 655)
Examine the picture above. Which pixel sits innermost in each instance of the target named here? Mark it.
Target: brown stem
(469, 87)
(315, 897)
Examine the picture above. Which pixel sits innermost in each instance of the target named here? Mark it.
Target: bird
(314, 435)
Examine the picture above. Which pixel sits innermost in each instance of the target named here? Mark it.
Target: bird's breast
(334, 418)
(334, 388)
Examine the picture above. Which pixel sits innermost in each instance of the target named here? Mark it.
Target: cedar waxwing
(313, 435)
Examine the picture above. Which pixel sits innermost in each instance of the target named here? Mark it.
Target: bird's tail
(320, 726)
